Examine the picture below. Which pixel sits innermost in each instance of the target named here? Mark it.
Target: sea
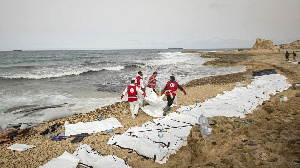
(41, 86)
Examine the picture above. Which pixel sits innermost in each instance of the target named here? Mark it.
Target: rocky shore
(269, 137)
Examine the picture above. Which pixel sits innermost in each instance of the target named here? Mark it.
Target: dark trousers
(170, 100)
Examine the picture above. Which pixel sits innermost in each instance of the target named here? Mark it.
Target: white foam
(170, 58)
(114, 68)
(74, 106)
(55, 72)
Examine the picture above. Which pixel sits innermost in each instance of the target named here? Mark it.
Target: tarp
(152, 97)
(142, 146)
(156, 110)
(91, 157)
(88, 156)
(66, 160)
(156, 104)
(264, 72)
(157, 140)
(92, 127)
(241, 100)
(20, 147)
(158, 135)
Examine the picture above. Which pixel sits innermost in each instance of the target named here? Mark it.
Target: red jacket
(138, 81)
(132, 93)
(171, 88)
(152, 81)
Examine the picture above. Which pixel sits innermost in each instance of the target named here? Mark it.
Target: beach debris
(20, 108)
(20, 147)
(264, 72)
(99, 117)
(59, 133)
(14, 135)
(108, 131)
(296, 86)
(79, 137)
(51, 129)
(282, 98)
(59, 138)
(32, 108)
(204, 126)
(228, 120)
(92, 127)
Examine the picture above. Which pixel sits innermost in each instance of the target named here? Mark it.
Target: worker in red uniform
(133, 91)
(170, 89)
(152, 81)
(139, 82)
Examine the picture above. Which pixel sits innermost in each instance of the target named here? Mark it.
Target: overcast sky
(146, 24)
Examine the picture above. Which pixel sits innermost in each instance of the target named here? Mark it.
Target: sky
(145, 24)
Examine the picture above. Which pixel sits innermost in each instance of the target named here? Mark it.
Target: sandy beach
(271, 139)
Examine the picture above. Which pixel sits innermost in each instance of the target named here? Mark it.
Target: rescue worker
(170, 89)
(152, 81)
(139, 82)
(133, 91)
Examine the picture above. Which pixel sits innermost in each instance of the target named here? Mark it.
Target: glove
(144, 94)
(122, 97)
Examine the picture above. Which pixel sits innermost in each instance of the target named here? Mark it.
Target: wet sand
(270, 138)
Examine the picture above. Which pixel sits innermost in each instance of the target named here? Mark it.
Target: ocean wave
(9, 67)
(114, 68)
(170, 58)
(47, 72)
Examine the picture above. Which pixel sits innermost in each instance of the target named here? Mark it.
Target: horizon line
(16, 50)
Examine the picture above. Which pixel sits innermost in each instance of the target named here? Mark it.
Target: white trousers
(134, 108)
(140, 100)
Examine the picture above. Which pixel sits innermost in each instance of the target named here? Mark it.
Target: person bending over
(170, 89)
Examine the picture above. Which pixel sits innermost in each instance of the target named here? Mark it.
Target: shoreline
(196, 153)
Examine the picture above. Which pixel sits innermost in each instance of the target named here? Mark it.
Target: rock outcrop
(293, 45)
(262, 44)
